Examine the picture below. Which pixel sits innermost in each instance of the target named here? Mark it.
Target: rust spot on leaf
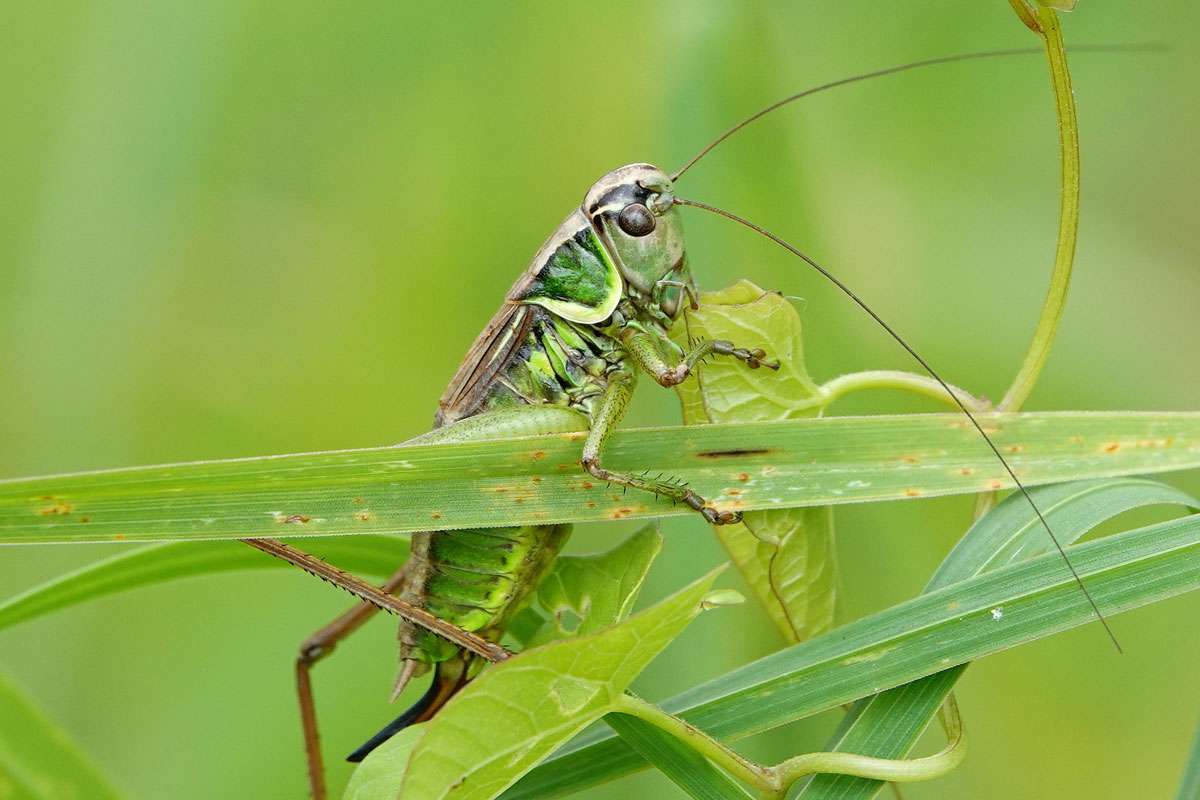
(1112, 447)
(590, 504)
(733, 492)
(734, 453)
(358, 501)
(537, 455)
(621, 513)
(910, 459)
(587, 484)
(364, 516)
(61, 508)
(912, 493)
(996, 485)
(1016, 448)
(297, 519)
(436, 515)
(536, 478)
(119, 537)
(966, 471)
(743, 476)
(85, 520)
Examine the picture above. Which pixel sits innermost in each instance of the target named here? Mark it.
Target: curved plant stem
(839, 387)
(1044, 22)
(1025, 13)
(884, 769)
(738, 766)
(774, 782)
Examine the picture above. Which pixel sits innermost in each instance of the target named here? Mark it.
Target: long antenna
(933, 374)
(879, 73)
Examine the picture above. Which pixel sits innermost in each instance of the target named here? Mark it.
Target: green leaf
(1060, 5)
(781, 464)
(37, 760)
(521, 710)
(890, 724)
(914, 639)
(376, 777)
(583, 594)
(787, 556)
(368, 555)
(725, 390)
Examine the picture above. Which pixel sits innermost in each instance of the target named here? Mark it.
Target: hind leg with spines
(323, 642)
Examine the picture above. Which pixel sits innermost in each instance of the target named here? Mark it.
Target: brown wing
(490, 353)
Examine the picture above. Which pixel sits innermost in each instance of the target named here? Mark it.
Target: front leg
(612, 407)
(645, 351)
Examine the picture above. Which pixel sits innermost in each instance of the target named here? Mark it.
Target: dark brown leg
(323, 641)
(376, 597)
(312, 650)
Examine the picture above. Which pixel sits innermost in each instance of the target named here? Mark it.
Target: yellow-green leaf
(583, 594)
(376, 777)
(724, 389)
(786, 556)
(518, 712)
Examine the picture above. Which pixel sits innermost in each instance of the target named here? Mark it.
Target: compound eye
(636, 220)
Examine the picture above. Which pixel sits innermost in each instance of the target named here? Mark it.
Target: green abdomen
(476, 579)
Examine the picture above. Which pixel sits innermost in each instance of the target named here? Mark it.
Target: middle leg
(645, 351)
(612, 407)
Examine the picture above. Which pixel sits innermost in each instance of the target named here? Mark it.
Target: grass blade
(761, 465)
(888, 725)
(1189, 786)
(689, 770)
(376, 556)
(37, 760)
(920, 637)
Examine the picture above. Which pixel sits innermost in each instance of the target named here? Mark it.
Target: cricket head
(626, 240)
(632, 210)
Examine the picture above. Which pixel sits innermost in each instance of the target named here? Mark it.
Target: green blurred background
(237, 228)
